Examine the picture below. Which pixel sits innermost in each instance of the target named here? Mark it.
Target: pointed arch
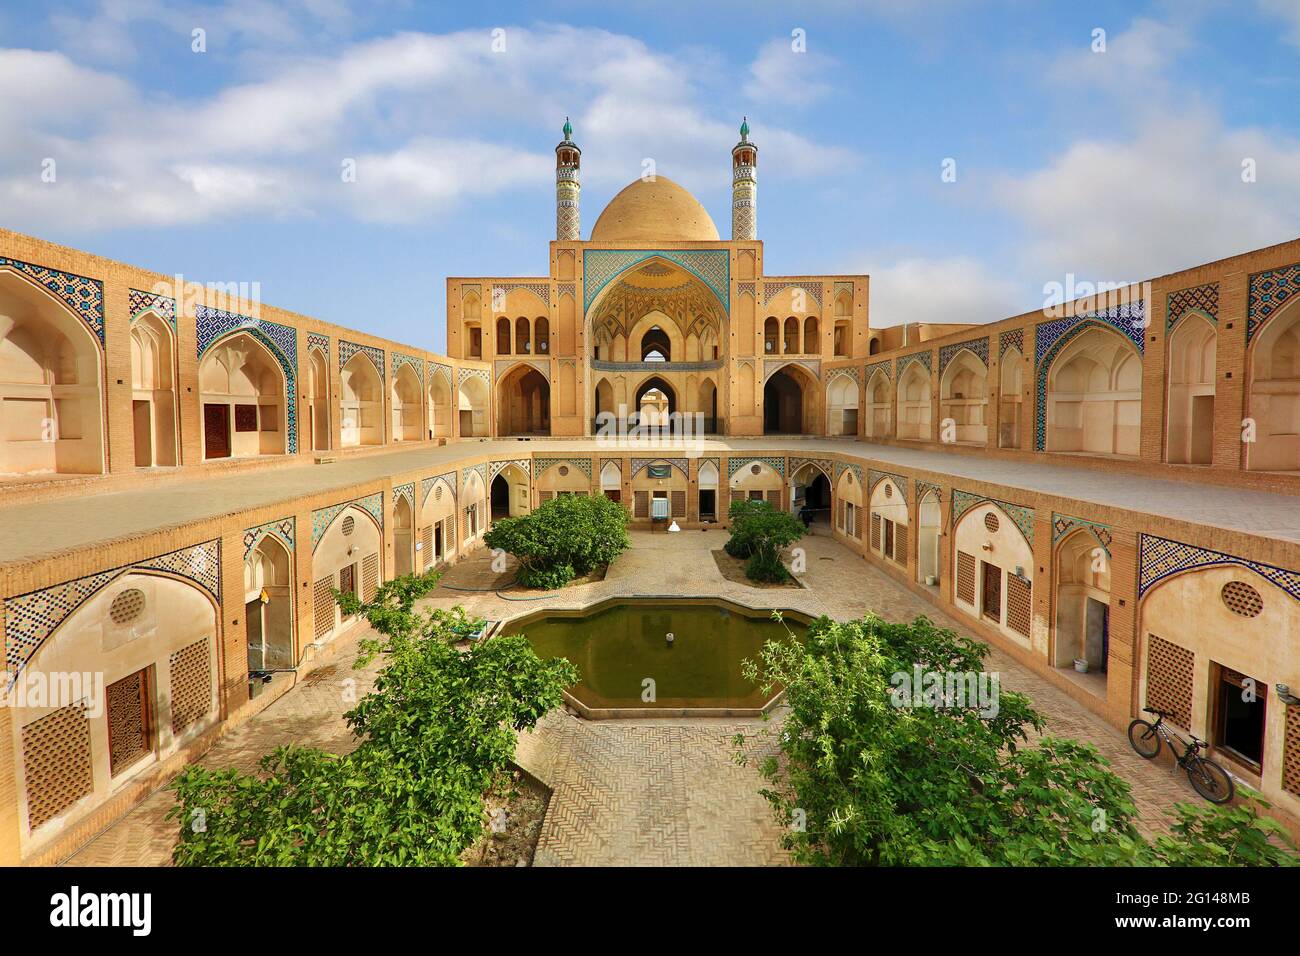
(268, 605)
(1082, 604)
(791, 401)
(880, 404)
(243, 392)
(1189, 415)
(361, 403)
(914, 408)
(51, 383)
(1094, 394)
(1010, 397)
(1274, 392)
(842, 404)
(153, 391)
(963, 397)
(318, 400)
(523, 402)
(406, 404)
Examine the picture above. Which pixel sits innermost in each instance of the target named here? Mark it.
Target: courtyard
(663, 791)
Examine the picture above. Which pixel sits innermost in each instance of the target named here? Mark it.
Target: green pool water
(617, 648)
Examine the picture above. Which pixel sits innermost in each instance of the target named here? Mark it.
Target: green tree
(563, 538)
(435, 733)
(759, 533)
(865, 777)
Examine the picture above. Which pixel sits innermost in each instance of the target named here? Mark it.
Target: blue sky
(225, 165)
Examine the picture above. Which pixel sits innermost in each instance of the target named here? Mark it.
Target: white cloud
(921, 289)
(434, 117)
(1173, 196)
(786, 75)
(1132, 62)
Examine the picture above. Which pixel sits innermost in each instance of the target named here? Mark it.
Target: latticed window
(322, 602)
(679, 504)
(900, 543)
(1291, 750)
(191, 683)
(966, 577)
(426, 545)
(56, 763)
(641, 504)
(1019, 604)
(369, 576)
(1169, 680)
(875, 531)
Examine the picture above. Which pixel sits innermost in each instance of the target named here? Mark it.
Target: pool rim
(637, 713)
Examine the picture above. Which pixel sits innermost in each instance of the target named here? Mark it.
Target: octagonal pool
(629, 667)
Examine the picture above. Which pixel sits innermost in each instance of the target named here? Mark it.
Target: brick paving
(641, 792)
(42, 528)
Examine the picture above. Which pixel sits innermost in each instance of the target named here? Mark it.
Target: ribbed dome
(656, 209)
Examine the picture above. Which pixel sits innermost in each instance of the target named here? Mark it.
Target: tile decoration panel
(681, 464)
(824, 465)
(468, 373)
(163, 306)
(567, 288)
(322, 518)
(874, 477)
(406, 491)
(1269, 291)
(745, 288)
(923, 488)
(1160, 558)
(1051, 337)
(886, 366)
(319, 342)
(400, 360)
(1011, 339)
(735, 464)
(437, 368)
(773, 365)
(31, 618)
(426, 485)
(963, 501)
(602, 266)
(502, 289)
(523, 464)
(281, 528)
(842, 467)
(282, 341)
(348, 349)
(906, 360)
(480, 469)
(979, 347)
(851, 371)
(772, 289)
(83, 295)
(1064, 524)
(582, 464)
(1201, 298)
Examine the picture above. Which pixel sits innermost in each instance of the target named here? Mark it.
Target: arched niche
(1010, 397)
(153, 391)
(993, 570)
(349, 558)
(1094, 396)
(914, 403)
(268, 606)
(406, 404)
(473, 407)
(842, 406)
(51, 385)
(523, 402)
(1082, 618)
(318, 402)
(1274, 404)
(889, 521)
(361, 403)
(929, 532)
(438, 518)
(1190, 411)
(242, 390)
(880, 404)
(963, 397)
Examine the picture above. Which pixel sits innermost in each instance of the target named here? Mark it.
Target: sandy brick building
(1106, 489)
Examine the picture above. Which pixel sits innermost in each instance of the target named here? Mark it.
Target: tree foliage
(563, 538)
(436, 732)
(863, 780)
(759, 533)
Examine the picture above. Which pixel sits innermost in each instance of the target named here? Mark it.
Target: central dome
(654, 209)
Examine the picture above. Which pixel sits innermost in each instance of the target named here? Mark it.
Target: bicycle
(1207, 778)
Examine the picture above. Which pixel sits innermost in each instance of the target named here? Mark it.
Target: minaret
(744, 186)
(568, 161)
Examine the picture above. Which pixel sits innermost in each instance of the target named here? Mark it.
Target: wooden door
(216, 431)
(130, 734)
(992, 605)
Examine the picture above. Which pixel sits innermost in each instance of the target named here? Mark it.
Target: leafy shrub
(438, 731)
(760, 533)
(879, 784)
(563, 538)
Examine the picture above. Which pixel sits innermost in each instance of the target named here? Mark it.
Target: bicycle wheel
(1210, 780)
(1144, 738)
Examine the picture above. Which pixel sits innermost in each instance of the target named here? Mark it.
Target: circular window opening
(991, 523)
(1242, 599)
(126, 607)
(755, 469)
(349, 525)
(564, 470)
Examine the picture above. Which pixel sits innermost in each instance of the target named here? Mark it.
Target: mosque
(1106, 490)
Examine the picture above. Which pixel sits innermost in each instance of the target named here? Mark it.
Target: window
(130, 732)
(245, 418)
(1239, 716)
